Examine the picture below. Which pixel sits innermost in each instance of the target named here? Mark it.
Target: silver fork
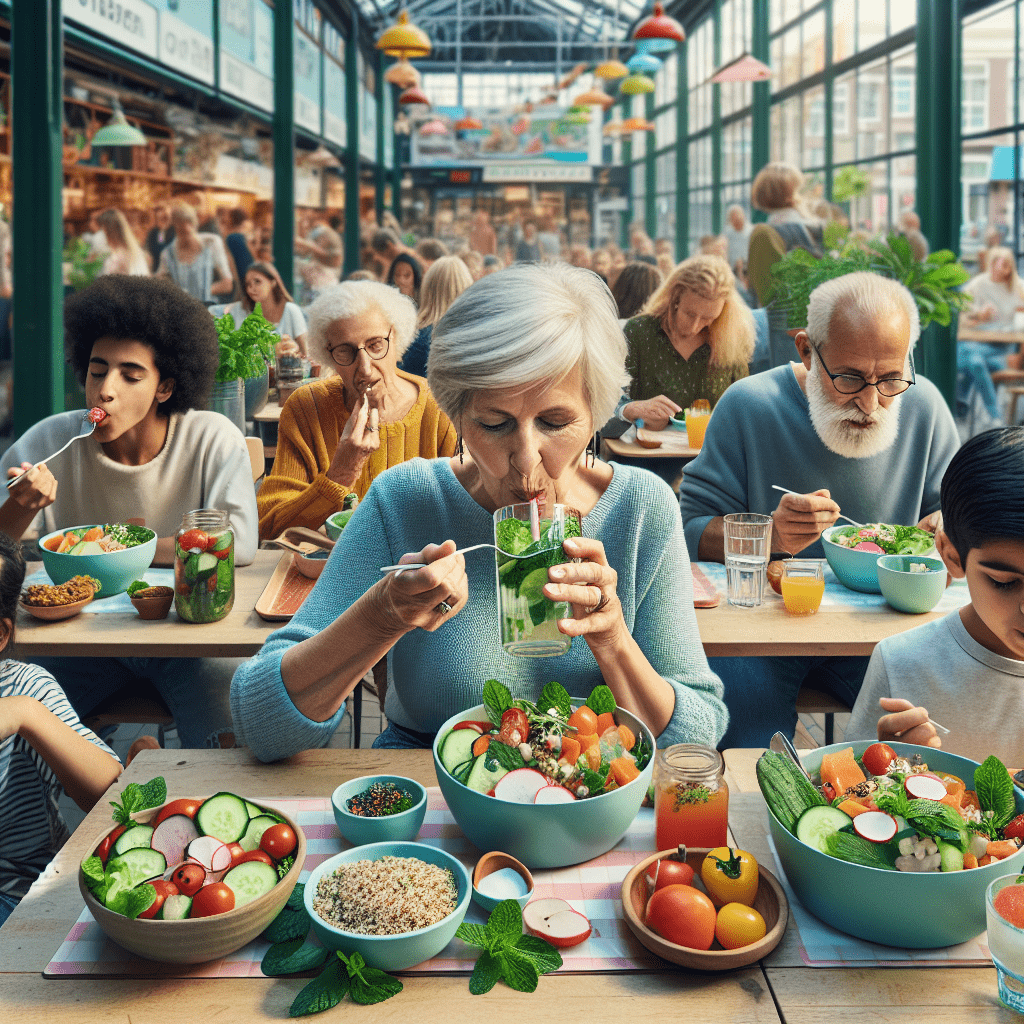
(77, 437)
(461, 551)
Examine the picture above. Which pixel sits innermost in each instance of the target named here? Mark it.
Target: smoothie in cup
(1004, 913)
(527, 620)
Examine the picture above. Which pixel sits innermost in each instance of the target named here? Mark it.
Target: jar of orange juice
(691, 797)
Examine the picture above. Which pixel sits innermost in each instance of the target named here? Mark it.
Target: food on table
(348, 506)
(78, 588)
(379, 800)
(98, 540)
(919, 567)
(891, 812)
(96, 415)
(774, 572)
(1009, 904)
(556, 922)
(670, 870)
(730, 876)
(195, 859)
(525, 613)
(683, 915)
(691, 797)
(503, 884)
(389, 896)
(150, 593)
(204, 572)
(738, 925)
(883, 539)
(545, 752)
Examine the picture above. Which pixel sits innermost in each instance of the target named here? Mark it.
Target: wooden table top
(239, 634)
(996, 337)
(270, 413)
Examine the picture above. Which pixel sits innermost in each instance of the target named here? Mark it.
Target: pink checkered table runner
(592, 888)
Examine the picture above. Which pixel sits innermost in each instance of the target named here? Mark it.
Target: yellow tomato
(738, 925)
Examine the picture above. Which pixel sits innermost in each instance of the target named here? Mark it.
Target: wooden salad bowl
(771, 904)
(56, 612)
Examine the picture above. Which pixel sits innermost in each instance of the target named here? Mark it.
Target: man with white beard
(849, 428)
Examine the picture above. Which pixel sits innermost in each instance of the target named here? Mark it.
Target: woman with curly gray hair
(525, 363)
(338, 433)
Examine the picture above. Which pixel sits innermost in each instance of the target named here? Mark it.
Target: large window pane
(814, 128)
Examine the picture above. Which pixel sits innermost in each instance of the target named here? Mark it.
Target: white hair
(351, 299)
(528, 324)
(861, 295)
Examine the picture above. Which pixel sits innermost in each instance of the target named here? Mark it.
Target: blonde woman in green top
(693, 338)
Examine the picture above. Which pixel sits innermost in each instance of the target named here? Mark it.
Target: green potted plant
(81, 267)
(243, 376)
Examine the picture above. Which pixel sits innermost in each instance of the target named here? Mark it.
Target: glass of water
(747, 545)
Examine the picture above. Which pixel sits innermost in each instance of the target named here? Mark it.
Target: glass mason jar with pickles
(204, 566)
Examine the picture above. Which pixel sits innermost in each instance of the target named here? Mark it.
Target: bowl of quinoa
(397, 903)
(379, 808)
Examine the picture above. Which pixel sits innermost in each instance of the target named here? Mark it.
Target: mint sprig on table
(507, 953)
(139, 798)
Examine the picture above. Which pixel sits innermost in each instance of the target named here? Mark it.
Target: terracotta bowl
(196, 940)
(54, 612)
(156, 606)
(771, 904)
(311, 565)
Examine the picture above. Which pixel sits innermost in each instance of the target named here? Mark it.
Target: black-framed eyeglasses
(851, 383)
(376, 348)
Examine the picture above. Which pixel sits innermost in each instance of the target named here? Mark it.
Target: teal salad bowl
(359, 830)
(914, 592)
(115, 570)
(857, 570)
(337, 522)
(910, 910)
(544, 835)
(391, 952)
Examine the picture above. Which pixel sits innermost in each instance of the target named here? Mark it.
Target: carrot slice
(54, 542)
(593, 755)
(480, 745)
(970, 861)
(570, 749)
(588, 740)
(94, 534)
(627, 737)
(69, 541)
(1001, 849)
(852, 808)
(623, 770)
(605, 722)
(583, 720)
(987, 859)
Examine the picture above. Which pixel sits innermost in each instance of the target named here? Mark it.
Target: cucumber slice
(249, 881)
(254, 833)
(175, 908)
(816, 824)
(130, 839)
(254, 811)
(223, 542)
(481, 777)
(457, 748)
(951, 858)
(136, 866)
(206, 563)
(224, 815)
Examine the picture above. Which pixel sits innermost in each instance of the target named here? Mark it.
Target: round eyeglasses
(376, 348)
(851, 384)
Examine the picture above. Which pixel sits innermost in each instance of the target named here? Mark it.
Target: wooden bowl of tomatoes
(205, 919)
(695, 913)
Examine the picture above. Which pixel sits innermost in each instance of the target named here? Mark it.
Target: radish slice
(210, 852)
(520, 786)
(555, 921)
(172, 835)
(553, 795)
(867, 545)
(924, 787)
(877, 826)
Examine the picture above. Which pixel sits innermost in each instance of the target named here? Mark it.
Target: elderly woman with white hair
(525, 363)
(337, 434)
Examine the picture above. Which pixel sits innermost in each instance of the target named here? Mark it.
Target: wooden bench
(816, 702)
(140, 705)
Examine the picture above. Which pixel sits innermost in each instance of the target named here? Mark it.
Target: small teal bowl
(115, 570)
(857, 570)
(401, 827)
(913, 592)
(677, 424)
(392, 952)
(896, 908)
(544, 835)
(336, 523)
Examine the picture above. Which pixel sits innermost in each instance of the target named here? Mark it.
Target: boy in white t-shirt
(967, 669)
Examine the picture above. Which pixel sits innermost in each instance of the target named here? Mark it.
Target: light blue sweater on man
(761, 434)
(431, 676)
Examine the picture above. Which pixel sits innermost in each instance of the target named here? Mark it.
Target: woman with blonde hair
(196, 260)
(447, 278)
(126, 255)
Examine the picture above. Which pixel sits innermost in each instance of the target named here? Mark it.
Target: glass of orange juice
(697, 417)
(691, 797)
(803, 584)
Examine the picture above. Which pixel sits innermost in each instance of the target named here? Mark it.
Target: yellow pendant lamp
(594, 98)
(611, 69)
(660, 26)
(636, 124)
(634, 85)
(404, 39)
(402, 74)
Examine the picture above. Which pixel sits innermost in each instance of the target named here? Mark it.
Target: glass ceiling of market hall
(503, 35)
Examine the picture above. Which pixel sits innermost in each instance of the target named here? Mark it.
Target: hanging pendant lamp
(404, 39)
(636, 124)
(402, 74)
(612, 128)
(644, 63)
(655, 45)
(611, 69)
(636, 84)
(659, 26)
(434, 127)
(468, 124)
(743, 69)
(118, 132)
(594, 98)
(414, 94)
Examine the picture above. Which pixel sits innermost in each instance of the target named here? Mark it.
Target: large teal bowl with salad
(115, 570)
(858, 570)
(911, 910)
(544, 835)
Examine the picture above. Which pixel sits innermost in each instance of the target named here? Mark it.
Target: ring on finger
(600, 604)
(444, 608)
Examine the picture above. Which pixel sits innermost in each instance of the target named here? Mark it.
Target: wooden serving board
(285, 591)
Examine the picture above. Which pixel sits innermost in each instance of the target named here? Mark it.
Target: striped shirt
(31, 827)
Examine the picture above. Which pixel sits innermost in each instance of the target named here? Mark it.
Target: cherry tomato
(878, 757)
(253, 855)
(583, 720)
(480, 727)
(187, 806)
(828, 791)
(668, 872)
(194, 539)
(278, 841)
(683, 915)
(739, 925)
(103, 850)
(215, 898)
(189, 878)
(1015, 829)
(236, 853)
(515, 727)
(164, 888)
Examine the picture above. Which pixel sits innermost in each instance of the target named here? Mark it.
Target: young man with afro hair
(146, 353)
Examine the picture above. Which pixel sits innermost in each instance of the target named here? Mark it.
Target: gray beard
(830, 423)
